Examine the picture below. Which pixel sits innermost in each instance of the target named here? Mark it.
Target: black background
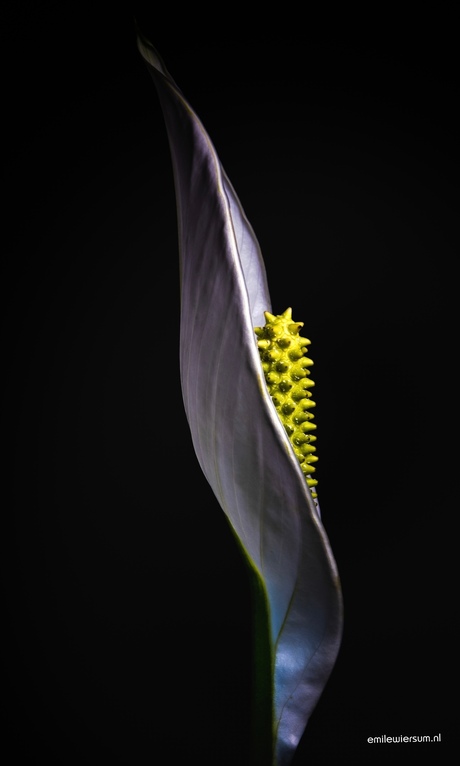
(126, 606)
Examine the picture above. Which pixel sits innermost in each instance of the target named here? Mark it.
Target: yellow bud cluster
(286, 369)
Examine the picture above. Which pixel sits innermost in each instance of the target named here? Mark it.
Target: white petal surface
(240, 443)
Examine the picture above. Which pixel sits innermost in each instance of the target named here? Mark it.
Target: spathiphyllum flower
(247, 396)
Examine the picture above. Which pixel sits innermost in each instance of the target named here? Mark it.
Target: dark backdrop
(126, 607)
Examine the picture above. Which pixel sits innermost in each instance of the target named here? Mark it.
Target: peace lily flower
(241, 443)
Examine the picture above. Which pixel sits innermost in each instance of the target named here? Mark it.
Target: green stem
(262, 738)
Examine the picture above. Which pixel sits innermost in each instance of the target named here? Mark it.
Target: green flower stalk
(247, 399)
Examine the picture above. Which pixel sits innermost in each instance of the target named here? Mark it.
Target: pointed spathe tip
(149, 52)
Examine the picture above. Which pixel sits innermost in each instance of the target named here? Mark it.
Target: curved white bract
(239, 440)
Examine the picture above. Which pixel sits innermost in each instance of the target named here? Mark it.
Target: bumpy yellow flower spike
(286, 368)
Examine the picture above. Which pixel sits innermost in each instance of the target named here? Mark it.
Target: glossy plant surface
(240, 442)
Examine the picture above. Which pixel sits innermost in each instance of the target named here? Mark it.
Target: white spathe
(239, 440)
